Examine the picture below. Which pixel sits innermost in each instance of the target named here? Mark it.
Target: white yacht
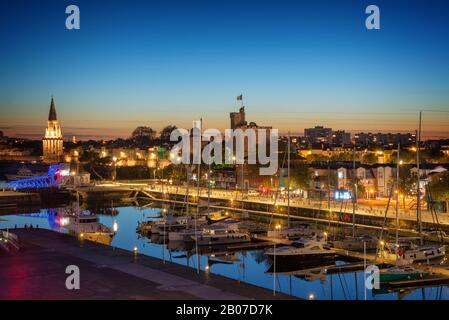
(188, 234)
(169, 223)
(306, 250)
(23, 173)
(218, 234)
(87, 226)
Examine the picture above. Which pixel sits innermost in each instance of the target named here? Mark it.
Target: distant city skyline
(298, 64)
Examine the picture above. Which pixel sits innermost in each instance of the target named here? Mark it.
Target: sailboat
(355, 243)
(422, 252)
(302, 230)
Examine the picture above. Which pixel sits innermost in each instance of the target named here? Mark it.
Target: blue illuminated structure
(54, 178)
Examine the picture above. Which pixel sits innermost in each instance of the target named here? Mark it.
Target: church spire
(52, 113)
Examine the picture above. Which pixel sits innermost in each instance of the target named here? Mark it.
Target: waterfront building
(318, 134)
(385, 139)
(52, 141)
(154, 158)
(341, 138)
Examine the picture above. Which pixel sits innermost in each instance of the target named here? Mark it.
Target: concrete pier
(38, 272)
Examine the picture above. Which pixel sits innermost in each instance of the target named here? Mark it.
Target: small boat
(216, 215)
(398, 273)
(425, 253)
(23, 173)
(301, 251)
(173, 223)
(219, 234)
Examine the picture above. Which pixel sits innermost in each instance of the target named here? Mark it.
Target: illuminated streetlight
(311, 296)
(115, 226)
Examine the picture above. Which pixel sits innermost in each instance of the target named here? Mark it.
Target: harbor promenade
(38, 272)
(233, 197)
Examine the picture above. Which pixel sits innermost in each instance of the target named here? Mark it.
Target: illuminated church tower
(52, 142)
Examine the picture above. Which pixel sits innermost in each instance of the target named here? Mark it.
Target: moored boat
(301, 251)
(87, 226)
(425, 253)
(398, 273)
(23, 173)
(356, 243)
(219, 234)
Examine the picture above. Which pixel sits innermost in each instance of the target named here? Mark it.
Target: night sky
(297, 64)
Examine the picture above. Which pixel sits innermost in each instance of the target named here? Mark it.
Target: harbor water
(249, 266)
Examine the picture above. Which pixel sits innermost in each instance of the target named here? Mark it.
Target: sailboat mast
(354, 191)
(418, 189)
(288, 185)
(397, 195)
(208, 187)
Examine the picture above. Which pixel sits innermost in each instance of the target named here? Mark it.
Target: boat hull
(302, 261)
(212, 240)
(391, 277)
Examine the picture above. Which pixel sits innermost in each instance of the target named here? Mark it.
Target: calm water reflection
(247, 266)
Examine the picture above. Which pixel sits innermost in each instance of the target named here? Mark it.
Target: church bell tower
(52, 141)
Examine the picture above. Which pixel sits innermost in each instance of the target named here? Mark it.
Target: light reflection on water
(247, 266)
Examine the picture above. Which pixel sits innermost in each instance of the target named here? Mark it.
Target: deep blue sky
(153, 63)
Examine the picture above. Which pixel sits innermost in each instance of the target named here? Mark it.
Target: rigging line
(342, 287)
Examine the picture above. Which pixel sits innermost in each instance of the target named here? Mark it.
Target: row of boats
(207, 229)
(309, 247)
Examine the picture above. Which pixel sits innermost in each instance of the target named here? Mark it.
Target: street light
(114, 159)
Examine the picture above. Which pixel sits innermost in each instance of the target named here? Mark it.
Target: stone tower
(52, 141)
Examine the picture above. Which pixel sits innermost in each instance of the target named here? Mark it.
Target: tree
(166, 132)
(316, 158)
(406, 156)
(301, 176)
(143, 132)
(369, 158)
(406, 180)
(439, 187)
(342, 156)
